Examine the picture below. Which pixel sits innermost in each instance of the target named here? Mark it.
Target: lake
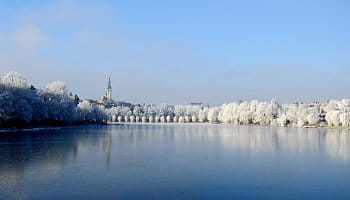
(175, 162)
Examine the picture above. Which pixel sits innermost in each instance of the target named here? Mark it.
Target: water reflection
(335, 143)
(248, 139)
(25, 155)
(47, 150)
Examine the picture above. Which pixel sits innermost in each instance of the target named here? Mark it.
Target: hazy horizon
(180, 52)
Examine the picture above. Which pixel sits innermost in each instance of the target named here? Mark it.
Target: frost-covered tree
(176, 119)
(137, 119)
(137, 111)
(179, 110)
(125, 111)
(337, 112)
(85, 110)
(168, 119)
(132, 118)
(213, 114)
(14, 81)
(60, 106)
(6, 106)
(18, 93)
(203, 114)
(143, 119)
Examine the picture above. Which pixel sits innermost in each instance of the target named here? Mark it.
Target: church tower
(109, 91)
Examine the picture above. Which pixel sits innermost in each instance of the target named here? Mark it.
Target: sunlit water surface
(175, 162)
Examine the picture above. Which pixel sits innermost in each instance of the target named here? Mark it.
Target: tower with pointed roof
(109, 91)
(107, 98)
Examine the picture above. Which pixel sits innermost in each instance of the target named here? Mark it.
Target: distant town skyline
(178, 52)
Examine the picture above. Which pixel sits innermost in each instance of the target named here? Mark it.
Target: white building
(107, 98)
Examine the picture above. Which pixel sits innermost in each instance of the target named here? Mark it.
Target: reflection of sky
(44, 159)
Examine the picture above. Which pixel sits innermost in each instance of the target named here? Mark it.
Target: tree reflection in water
(56, 153)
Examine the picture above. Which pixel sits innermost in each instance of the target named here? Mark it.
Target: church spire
(109, 91)
(109, 87)
(107, 98)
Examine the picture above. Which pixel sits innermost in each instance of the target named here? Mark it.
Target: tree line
(21, 102)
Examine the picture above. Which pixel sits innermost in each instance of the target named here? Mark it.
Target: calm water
(175, 162)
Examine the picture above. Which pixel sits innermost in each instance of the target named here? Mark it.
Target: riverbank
(207, 123)
(36, 126)
(56, 126)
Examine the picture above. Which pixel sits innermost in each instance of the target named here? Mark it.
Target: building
(107, 98)
(201, 105)
(109, 91)
(313, 104)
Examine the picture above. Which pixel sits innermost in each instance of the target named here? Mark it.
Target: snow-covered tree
(213, 114)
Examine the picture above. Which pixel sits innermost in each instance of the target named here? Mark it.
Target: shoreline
(58, 127)
(207, 123)
(38, 127)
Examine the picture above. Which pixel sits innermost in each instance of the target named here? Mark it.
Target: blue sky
(182, 51)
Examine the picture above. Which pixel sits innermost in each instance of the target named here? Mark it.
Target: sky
(180, 51)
